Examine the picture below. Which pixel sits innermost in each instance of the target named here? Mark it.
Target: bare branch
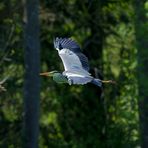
(2, 88)
(7, 44)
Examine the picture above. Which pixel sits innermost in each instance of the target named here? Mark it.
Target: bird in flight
(75, 64)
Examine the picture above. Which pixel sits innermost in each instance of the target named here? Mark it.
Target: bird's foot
(108, 81)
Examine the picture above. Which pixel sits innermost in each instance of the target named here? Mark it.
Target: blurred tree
(11, 69)
(141, 25)
(32, 69)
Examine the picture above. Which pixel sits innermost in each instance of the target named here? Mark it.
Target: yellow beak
(45, 74)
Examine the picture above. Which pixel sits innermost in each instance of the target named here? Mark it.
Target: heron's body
(75, 64)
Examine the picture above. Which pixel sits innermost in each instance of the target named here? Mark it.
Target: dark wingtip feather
(66, 43)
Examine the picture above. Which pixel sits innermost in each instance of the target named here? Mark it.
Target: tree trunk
(32, 68)
(142, 46)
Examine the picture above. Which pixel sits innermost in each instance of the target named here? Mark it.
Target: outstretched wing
(73, 59)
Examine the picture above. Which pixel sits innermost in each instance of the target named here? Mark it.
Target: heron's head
(48, 74)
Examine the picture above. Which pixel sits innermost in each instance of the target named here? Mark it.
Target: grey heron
(75, 64)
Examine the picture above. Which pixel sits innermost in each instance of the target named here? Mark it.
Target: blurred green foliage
(73, 116)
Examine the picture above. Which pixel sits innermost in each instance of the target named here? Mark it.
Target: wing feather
(73, 48)
(66, 43)
(71, 62)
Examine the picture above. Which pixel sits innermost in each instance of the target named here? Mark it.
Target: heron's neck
(59, 78)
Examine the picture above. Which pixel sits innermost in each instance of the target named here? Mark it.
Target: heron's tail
(97, 82)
